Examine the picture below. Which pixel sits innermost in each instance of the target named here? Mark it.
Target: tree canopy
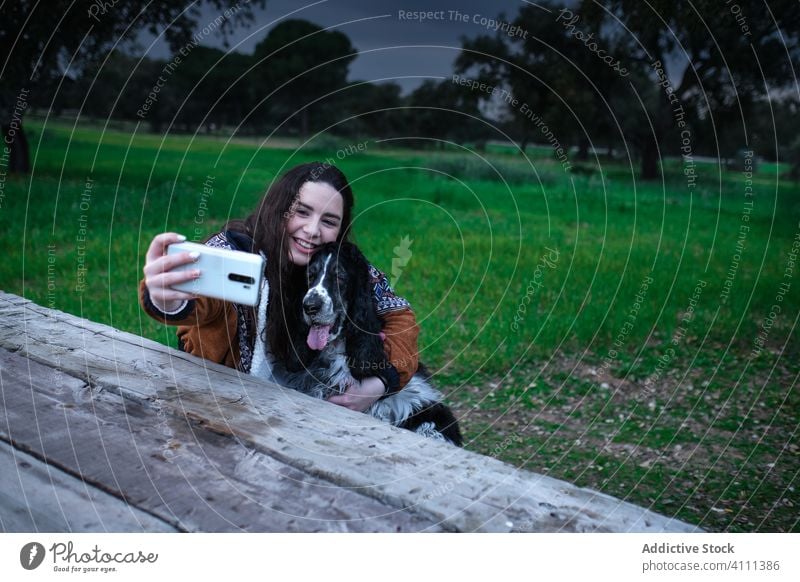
(301, 63)
(646, 80)
(646, 75)
(46, 42)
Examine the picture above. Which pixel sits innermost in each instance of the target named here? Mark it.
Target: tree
(444, 111)
(713, 60)
(115, 87)
(209, 87)
(372, 108)
(41, 41)
(299, 63)
(655, 69)
(546, 78)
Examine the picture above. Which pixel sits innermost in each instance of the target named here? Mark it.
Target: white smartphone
(233, 276)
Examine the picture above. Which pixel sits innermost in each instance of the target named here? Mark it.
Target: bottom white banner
(355, 557)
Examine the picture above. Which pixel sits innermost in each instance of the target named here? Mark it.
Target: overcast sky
(388, 41)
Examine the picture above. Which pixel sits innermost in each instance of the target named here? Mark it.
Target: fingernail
(194, 255)
(196, 274)
(181, 238)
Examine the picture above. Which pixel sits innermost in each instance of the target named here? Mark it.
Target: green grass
(477, 242)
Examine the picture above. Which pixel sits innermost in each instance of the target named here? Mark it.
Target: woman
(308, 206)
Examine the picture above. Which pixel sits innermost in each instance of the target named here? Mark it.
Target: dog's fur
(336, 340)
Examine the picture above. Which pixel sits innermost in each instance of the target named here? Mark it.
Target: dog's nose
(312, 304)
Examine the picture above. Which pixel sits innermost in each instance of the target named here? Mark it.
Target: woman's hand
(158, 275)
(360, 395)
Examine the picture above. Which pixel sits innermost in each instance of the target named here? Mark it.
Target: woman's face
(314, 219)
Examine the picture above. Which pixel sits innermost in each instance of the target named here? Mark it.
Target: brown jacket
(210, 331)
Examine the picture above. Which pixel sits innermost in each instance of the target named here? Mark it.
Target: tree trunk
(524, 143)
(304, 123)
(19, 161)
(650, 161)
(583, 149)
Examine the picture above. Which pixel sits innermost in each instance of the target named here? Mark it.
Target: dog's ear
(288, 314)
(359, 290)
(364, 345)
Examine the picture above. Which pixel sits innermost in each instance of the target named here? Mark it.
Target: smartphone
(233, 276)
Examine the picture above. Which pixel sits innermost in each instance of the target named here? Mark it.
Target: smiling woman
(315, 219)
(307, 207)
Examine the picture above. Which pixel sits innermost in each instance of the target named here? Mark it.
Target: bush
(492, 170)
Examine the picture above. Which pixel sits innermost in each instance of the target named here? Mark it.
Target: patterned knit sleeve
(401, 332)
(386, 300)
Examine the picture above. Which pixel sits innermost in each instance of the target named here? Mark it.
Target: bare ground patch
(718, 450)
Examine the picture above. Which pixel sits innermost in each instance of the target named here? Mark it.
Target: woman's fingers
(167, 263)
(159, 266)
(347, 401)
(172, 295)
(360, 395)
(172, 278)
(158, 246)
(160, 274)
(163, 295)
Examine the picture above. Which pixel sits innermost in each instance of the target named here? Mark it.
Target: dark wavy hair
(267, 228)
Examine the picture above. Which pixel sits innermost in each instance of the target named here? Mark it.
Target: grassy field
(616, 333)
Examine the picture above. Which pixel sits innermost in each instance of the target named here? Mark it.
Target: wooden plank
(193, 479)
(35, 497)
(456, 488)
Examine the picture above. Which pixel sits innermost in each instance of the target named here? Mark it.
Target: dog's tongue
(318, 337)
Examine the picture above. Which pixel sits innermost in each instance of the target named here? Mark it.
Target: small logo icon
(31, 556)
(402, 254)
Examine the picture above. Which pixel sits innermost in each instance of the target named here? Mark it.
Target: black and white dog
(337, 339)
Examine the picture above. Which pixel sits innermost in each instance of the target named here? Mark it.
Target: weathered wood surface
(37, 497)
(189, 480)
(200, 447)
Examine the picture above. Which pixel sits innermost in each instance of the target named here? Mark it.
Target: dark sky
(383, 38)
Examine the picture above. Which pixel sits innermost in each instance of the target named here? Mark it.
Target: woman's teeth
(305, 244)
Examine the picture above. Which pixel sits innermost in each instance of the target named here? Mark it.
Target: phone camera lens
(241, 278)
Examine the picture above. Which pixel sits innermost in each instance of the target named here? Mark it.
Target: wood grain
(191, 480)
(427, 481)
(36, 497)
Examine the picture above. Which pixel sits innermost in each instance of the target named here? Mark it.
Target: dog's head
(338, 276)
